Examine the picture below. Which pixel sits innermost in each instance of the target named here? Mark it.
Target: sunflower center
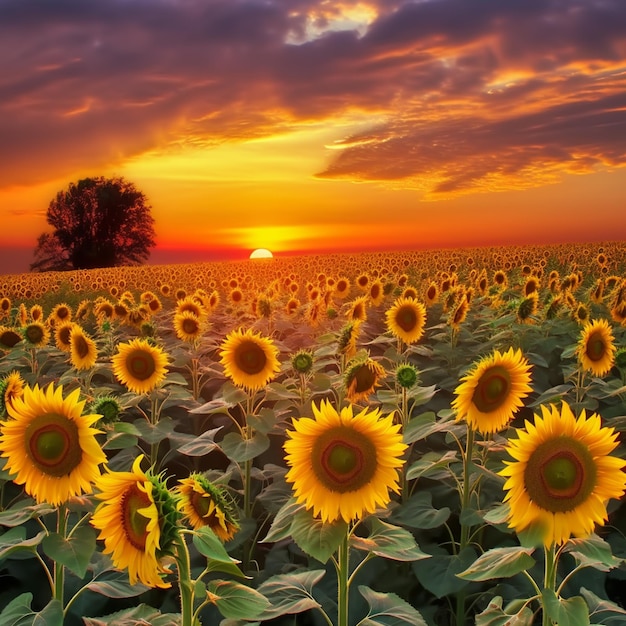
(190, 326)
(595, 348)
(80, 346)
(250, 357)
(53, 445)
(406, 318)
(560, 474)
(492, 389)
(201, 504)
(135, 523)
(344, 459)
(64, 335)
(140, 364)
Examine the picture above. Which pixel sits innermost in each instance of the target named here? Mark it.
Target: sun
(261, 253)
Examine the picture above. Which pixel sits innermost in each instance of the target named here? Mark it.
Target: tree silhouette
(98, 222)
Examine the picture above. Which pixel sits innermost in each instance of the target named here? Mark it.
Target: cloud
(472, 95)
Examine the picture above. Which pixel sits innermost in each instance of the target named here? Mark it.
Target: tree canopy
(98, 222)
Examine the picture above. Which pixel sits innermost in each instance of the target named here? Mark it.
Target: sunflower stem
(184, 582)
(343, 581)
(465, 527)
(549, 580)
(59, 569)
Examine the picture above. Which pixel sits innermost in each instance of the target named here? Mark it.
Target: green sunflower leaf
(388, 609)
(290, 593)
(418, 512)
(238, 449)
(388, 541)
(208, 544)
(493, 615)
(116, 585)
(431, 462)
(603, 611)
(19, 613)
(420, 427)
(281, 525)
(14, 540)
(499, 563)
(75, 552)
(236, 601)
(439, 574)
(593, 552)
(317, 539)
(573, 612)
(199, 446)
(22, 512)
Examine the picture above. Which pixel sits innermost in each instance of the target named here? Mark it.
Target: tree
(98, 222)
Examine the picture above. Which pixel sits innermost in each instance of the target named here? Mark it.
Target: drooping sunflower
(139, 365)
(249, 360)
(356, 311)
(361, 378)
(596, 350)
(131, 523)
(11, 388)
(50, 445)
(83, 349)
(188, 326)
(562, 475)
(491, 392)
(406, 319)
(205, 504)
(342, 465)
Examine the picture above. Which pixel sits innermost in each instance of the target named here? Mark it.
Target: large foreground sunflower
(205, 504)
(596, 350)
(249, 359)
(406, 319)
(562, 476)
(344, 465)
(50, 445)
(492, 391)
(131, 524)
(139, 365)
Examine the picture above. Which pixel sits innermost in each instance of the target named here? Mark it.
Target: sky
(313, 126)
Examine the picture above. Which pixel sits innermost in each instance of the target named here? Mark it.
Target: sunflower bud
(302, 362)
(406, 375)
(108, 407)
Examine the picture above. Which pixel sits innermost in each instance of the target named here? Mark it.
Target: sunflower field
(406, 438)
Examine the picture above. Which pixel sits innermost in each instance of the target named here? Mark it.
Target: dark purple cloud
(464, 93)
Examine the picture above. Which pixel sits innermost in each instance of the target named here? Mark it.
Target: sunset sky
(308, 126)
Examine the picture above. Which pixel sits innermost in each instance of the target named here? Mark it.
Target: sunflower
(596, 350)
(130, 524)
(188, 326)
(11, 388)
(60, 313)
(50, 445)
(361, 378)
(406, 319)
(348, 337)
(376, 293)
(459, 313)
(357, 309)
(83, 350)
(205, 504)
(36, 313)
(36, 334)
(139, 365)
(563, 474)
(344, 465)
(249, 359)
(492, 391)
(62, 332)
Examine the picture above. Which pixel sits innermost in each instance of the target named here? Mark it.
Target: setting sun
(261, 253)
